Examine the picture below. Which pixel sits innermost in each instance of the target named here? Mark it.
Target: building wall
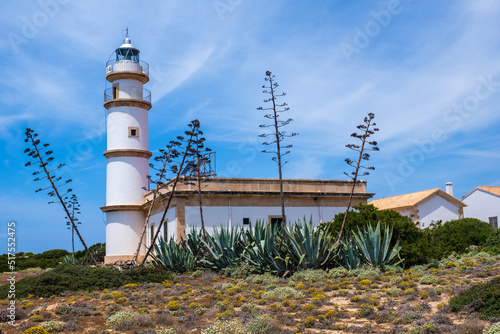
(222, 215)
(435, 209)
(170, 225)
(482, 205)
(217, 215)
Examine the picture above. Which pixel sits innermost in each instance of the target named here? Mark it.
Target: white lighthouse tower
(127, 104)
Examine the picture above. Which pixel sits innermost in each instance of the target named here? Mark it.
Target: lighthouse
(127, 104)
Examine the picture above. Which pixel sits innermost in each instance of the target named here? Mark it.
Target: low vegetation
(51, 258)
(420, 299)
(66, 277)
(267, 279)
(421, 246)
(483, 298)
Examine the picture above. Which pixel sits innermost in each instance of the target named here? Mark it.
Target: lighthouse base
(123, 231)
(118, 258)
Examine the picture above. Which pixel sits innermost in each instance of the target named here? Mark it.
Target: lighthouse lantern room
(127, 104)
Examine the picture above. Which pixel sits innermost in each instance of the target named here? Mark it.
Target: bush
(428, 279)
(53, 254)
(118, 318)
(492, 329)
(415, 248)
(482, 298)
(4, 312)
(492, 243)
(35, 330)
(456, 236)
(225, 327)
(62, 278)
(161, 330)
(313, 275)
(264, 279)
(260, 325)
(53, 326)
(284, 293)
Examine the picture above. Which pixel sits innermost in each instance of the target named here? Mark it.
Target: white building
(241, 201)
(234, 201)
(483, 203)
(425, 207)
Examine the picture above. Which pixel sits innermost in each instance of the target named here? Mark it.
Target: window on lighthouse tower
(133, 131)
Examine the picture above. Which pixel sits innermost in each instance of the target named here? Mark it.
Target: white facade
(127, 153)
(435, 209)
(482, 205)
(426, 206)
(217, 216)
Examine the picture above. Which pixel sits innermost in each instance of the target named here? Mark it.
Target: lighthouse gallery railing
(127, 93)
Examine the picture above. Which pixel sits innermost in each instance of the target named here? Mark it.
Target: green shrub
(492, 243)
(492, 329)
(62, 278)
(285, 292)
(53, 326)
(225, 327)
(198, 273)
(483, 298)
(456, 236)
(365, 272)
(264, 279)
(313, 275)
(338, 272)
(241, 271)
(396, 279)
(248, 307)
(161, 330)
(54, 253)
(428, 279)
(260, 325)
(415, 248)
(426, 328)
(118, 318)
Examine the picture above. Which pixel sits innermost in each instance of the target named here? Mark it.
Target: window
(493, 221)
(275, 220)
(246, 221)
(133, 131)
(165, 230)
(152, 232)
(115, 91)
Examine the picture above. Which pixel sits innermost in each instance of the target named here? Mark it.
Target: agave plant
(308, 248)
(376, 248)
(348, 253)
(263, 247)
(224, 247)
(173, 256)
(193, 242)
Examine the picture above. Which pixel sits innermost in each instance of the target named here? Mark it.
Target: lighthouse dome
(127, 52)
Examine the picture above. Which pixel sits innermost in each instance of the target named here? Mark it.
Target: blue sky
(430, 71)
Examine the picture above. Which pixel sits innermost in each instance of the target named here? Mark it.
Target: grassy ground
(361, 301)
